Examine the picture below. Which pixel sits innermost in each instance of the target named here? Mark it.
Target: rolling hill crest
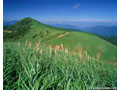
(32, 30)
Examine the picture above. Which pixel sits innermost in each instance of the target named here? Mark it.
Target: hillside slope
(32, 30)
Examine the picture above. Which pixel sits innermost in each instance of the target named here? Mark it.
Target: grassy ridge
(32, 30)
(89, 42)
(34, 68)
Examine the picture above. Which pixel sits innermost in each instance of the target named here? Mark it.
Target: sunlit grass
(36, 67)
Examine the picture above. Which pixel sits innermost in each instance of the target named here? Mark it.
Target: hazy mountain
(65, 26)
(102, 30)
(5, 23)
(99, 30)
(79, 24)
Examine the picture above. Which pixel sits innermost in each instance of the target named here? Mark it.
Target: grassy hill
(84, 60)
(32, 30)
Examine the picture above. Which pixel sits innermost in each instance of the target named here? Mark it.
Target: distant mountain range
(6, 23)
(79, 24)
(99, 30)
(106, 29)
(102, 30)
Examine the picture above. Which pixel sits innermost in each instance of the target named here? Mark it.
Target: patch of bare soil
(8, 31)
(59, 36)
(62, 35)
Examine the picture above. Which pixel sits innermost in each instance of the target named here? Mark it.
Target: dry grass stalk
(80, 51)
(57, 47)
(26, 42)
(39, 41)
(50, 47)
(98, 56)
(86, 54)
(41, 51)
(73, 52)
(61, 47)
(82, 57)
(88, 57)
(55, 52)
(100, 51)
(30, 44)
(37, 45)
(66, 51)
(86, 51)
(37, 49)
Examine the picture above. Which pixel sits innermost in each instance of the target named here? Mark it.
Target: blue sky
(61, 10)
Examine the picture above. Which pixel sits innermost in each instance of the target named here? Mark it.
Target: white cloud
(76, 5)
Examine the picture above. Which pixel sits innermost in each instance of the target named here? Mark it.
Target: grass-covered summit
(33, 31)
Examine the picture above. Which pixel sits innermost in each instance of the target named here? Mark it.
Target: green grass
(27, 69)
(32, 30)
(73, 39)
(31, 69)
